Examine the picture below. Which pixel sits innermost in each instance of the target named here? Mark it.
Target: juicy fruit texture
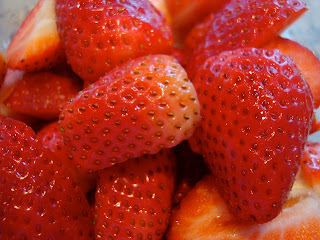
(43, 94)
(203, 215)
(310, 164)
(306, 60)
(257, 112)
(50, 136)
(133, 199)
(3, 68)
(37, 45)
(97, 41)
(39, 200)
(244, 24)
(186, 13)
(138, 108)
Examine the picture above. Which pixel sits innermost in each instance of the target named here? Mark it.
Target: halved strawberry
(37, 45)
(43, 94)
(203, 215)
(3, 68)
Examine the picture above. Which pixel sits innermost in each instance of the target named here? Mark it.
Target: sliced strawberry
(306, 60)
(3, 68)
(139, 107)
(133, 199)
(50, 136)
(162, 6)
(204, 215)
(37, 45)
(257, 111)
(97, 41)
(43, 94)
(38, 198)
(244, 24)
(311, 165)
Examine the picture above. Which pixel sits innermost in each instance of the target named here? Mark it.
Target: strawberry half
(38, 198)
(43, 94)
(97, 41)
(37, 45)
(243, 24)
(133, 199)
(257, 111)
(138, 108)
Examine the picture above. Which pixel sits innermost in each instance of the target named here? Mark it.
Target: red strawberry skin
(133, 199)
(257, 112)
(242, 24)
(97, 41)
(39, 199)
(138, 108)
(43, 94)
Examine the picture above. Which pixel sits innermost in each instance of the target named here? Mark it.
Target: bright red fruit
(243, 24)
(100, 35)
(43, 94)
(3, 68)
(50, 136)
(37, 45)
(257, 112)
(38, 198)
(133, 199)
(138, 108)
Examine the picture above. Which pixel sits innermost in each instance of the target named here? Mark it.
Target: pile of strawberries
(138, 119)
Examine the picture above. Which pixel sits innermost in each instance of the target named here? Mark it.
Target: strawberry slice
(243, 24)
(257, 112)
(43, 94)
(3, 68)
(37, 45)
(133, 199)
(139, 107)
(97, 41)
(204, 215)
(38, 198)
(306, 60)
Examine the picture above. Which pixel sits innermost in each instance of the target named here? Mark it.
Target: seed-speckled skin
(133, 199)
(257, 112)
(99, 35)
(140, 107)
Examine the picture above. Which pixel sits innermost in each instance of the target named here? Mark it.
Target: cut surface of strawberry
(203, 215)
(97, 41)
(37, 45)
(244, 24)
(43, 94)
(256, 116)
(138, 108)
(133, 199)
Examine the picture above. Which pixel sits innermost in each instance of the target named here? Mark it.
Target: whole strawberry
(138, 108)
(99, 35)
(38, 198)
(257, 112)
(133, 199)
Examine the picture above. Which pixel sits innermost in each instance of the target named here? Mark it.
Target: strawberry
(204, 215)
(38, 198)
(133, 199)
(306, 60)
(37, 45)
(3, 68)
(310, 165)
(43, 94)
(97, 41)
(186, 13)
(138, 108)
(162, 6)
(50, 137)
(257, 112)
(243, 24)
